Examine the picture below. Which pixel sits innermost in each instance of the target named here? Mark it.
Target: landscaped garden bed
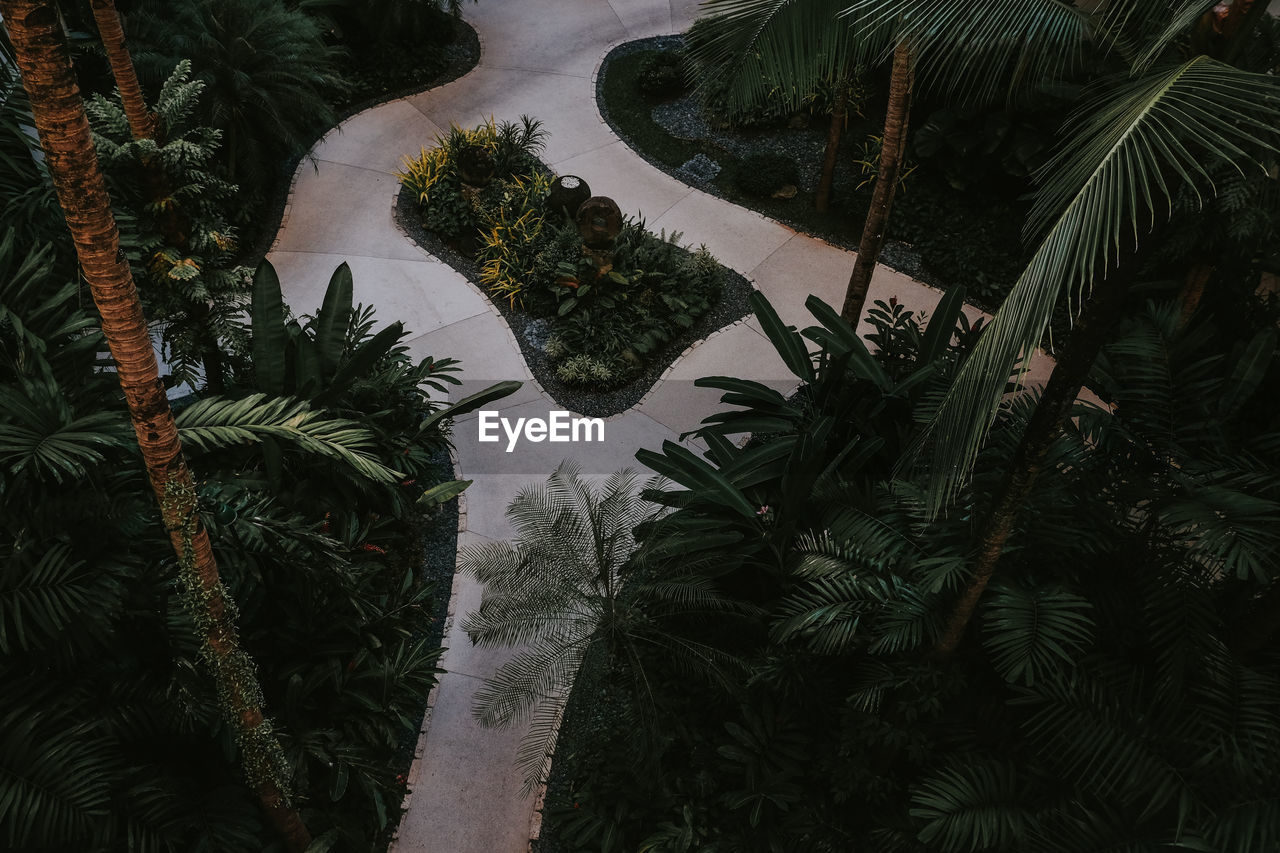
(953, 222)
(600, 305)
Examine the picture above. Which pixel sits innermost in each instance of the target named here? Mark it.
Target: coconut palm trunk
(63, 126)
(142, 121)
(1095, 326)
(839, 114)
(902, 79)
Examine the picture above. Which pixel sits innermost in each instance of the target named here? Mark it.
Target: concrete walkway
(540, 57)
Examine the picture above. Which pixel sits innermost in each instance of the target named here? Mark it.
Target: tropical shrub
(1085, 710)
(662, 74)
(434, 179)
(269, 76)
(112, 734)
(606, 322)
(178, 225)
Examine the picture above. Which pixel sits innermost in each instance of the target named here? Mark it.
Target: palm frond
(215, 423)
(779, 47)
(1134, 143)
(1008, 47)
(1032, 632)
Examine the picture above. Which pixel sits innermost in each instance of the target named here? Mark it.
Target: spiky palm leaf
(216, 423)
(561, 588)
(779, 48)
(1133, 145)
(977, 55)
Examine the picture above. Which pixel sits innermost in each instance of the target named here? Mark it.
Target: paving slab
(740, 350)
(482, 343)
(372, 139)
(546, 35)
(738, 237)
(425, 295)
(344, 210)
(612, 445)
(643, 17)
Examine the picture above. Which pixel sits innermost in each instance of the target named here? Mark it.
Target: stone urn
(568, 192)
(599, 224)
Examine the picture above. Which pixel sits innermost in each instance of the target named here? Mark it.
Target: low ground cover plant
(485, 192)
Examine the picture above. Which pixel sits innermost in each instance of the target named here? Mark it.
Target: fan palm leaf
(1009, 46)
(1134, 144)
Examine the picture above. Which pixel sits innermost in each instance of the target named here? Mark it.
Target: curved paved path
(539, 57)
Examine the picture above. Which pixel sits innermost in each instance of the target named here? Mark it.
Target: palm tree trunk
(60, 119)
(902, 78)
(839, 112)
(142, 121)
(1096, 324)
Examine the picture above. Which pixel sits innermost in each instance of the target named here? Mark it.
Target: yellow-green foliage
(421, 173)
(512, 228)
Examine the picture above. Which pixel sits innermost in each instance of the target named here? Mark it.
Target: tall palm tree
(45, 66)
(1140, 138)
(142, 121)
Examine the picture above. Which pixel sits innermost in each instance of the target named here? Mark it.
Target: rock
(788, 191)
(701, 169)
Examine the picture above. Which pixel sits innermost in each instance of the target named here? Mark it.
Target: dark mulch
(531, 332)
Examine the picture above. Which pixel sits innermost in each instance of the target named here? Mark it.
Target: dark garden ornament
(568, 192)
(475, 166)
(599, 224)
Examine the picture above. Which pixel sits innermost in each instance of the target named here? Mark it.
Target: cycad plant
(269, 76)
(567, 589)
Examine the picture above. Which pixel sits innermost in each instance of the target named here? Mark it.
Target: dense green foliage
(269, 76)
(178, 227)
(113, 731)
(605, 322)
(1110, 694)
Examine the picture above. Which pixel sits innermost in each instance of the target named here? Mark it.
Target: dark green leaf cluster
(1119, 689)
(112, 736)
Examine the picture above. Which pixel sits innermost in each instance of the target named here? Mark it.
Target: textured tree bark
(142, 121)
(902, 79)
(839, 112)
(63, 126)
(1096, 324)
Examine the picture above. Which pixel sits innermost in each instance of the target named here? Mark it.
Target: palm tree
(1140, 138)
(942, 45)
(142, 121)
(45, 66)
(567, 587)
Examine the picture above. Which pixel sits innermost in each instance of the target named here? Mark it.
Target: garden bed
(600, 313)
(939, 234)
(530, 331)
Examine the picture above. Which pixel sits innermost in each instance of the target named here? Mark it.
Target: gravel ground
(531, 332)
(683, 118)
